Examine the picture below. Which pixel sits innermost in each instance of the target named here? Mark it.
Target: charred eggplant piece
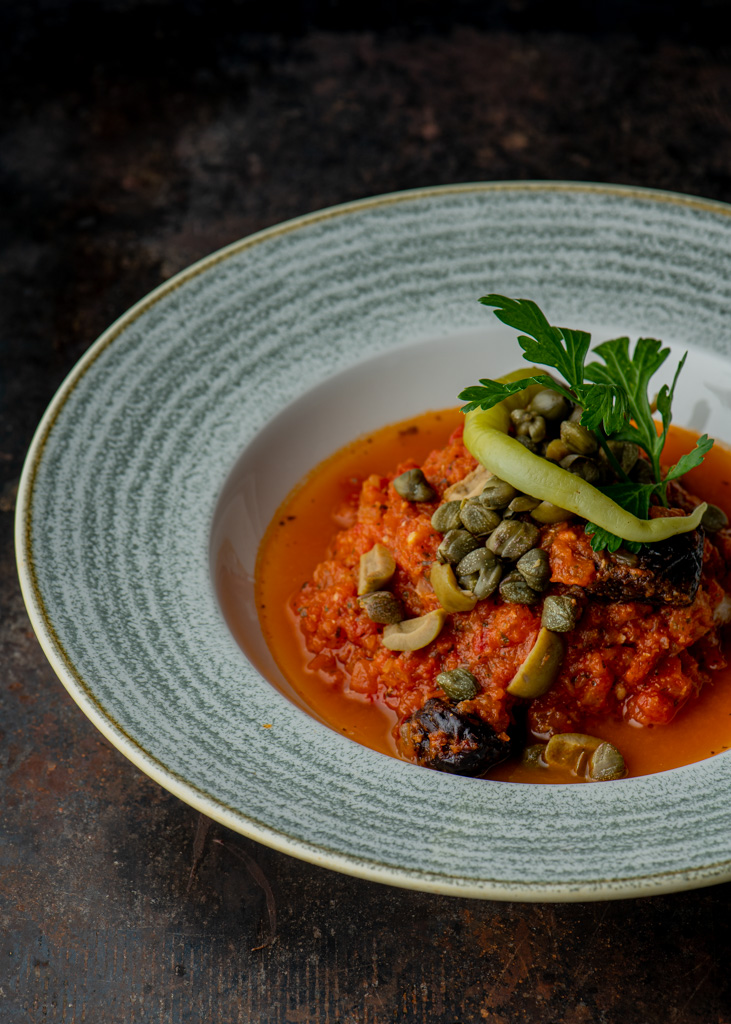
(664, 573)
(442, 738)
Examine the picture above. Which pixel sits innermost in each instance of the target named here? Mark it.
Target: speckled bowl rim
(63, 664)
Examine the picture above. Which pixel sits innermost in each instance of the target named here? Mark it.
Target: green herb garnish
(614, 398)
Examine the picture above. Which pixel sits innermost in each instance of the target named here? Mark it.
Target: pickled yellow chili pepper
(486, 437)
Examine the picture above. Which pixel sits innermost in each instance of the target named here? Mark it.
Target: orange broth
(297, 539)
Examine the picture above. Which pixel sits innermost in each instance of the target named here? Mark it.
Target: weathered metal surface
(121, 164)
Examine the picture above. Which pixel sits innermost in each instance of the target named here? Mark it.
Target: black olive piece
(444, 739)
(667, 572)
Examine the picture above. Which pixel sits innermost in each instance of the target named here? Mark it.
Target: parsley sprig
(614, 398)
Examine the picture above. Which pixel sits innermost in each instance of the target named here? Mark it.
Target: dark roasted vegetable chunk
(440, 737)
(665, 573)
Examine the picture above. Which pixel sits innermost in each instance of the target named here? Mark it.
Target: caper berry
(446, 517)
(714, 518)
(458, 684)
(512, 539)
(478, 519)
(456, 544)
(381, 606)
(413, 486)
(515, 589)
(535, 568)
(497, 493)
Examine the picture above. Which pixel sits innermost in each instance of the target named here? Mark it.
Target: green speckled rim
(119, 489)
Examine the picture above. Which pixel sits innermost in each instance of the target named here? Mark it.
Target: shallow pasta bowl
(188, 421)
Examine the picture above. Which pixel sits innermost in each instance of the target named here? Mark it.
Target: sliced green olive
(413, 486)
(459, 684)
(382, 606)
(547, 513)
(375, 569)
(569, 749)
(541, 667)
(451, 597)
(486, 437)
(606, 763)
(446, 517)
(413, 634)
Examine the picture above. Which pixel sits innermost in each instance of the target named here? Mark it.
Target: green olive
(413, 486)
(413, 634)
(450, 595)
(458, 684)
(570, 750)
(375, 569)
(541, 667)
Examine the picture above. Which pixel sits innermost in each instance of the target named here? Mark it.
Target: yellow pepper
(486, 437)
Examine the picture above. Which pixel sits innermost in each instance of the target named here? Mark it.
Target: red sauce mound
(628, 660)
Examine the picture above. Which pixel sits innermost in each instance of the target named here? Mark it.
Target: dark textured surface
(136, 137)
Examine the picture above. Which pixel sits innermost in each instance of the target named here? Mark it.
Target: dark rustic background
(136, 137)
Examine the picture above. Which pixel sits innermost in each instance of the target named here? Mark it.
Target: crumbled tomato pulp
(625, 662)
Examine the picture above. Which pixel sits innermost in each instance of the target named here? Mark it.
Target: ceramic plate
(186, 423)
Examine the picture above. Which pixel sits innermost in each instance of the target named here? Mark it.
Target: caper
(537, 428)
(497, 493)
(549, 404)
(519, 417)
(446, 517)
(529, 443)
(512, 539)
(641, 472)
(714, 518)
(540, 668)
(468, 582)
(532, 756)
(375, 569)
(576, 413)
(578, 439)
(514, 589)
(413, 634)
(381, 606)
(606, 763)
(487, 581)
(458, 684)
(586, 468)
(556, 450)
(625, 452)
(413, 486)
(456, 544)
(560, 613)
(478, 519)
(547, 513)
(476, 561)
(535, 568)
(523, 503)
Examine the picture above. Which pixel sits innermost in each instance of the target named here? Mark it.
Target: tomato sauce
(314, 523)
